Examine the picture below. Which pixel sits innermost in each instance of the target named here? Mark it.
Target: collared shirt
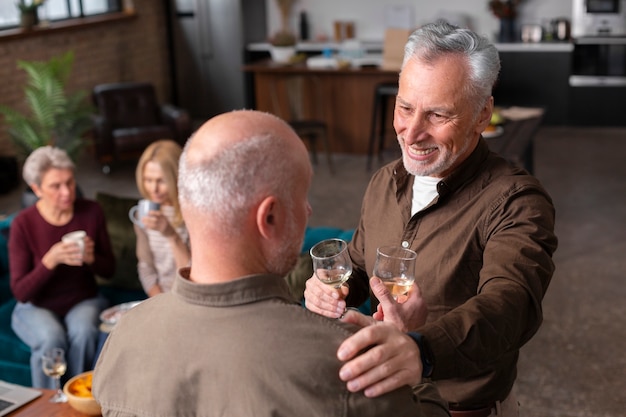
(484, 261)
(239, 348)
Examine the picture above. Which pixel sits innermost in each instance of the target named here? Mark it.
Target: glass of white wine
(54, 365)
(395, 266)
(331, 262)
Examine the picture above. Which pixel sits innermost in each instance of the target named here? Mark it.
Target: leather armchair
(130, 118)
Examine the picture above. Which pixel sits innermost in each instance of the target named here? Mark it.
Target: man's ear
(484, 117)
(269, 217)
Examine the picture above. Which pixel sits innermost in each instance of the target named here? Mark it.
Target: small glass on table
(54, 365)
(395, 266)
(331, 262)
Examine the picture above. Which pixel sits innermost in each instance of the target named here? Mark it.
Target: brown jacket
(484, 261)
(242, 348)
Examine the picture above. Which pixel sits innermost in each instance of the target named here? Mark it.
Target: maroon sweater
(63, 287)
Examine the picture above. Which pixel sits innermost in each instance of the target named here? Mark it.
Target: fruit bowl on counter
(495, 125)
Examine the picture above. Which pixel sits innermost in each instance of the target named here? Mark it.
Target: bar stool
(301, 101)
(379, 117)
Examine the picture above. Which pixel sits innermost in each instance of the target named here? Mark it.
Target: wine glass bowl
(54, 365)
(331, 262)
(395, 266)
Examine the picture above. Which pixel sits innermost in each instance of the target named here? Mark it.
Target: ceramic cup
(77, 237)
(141, 210)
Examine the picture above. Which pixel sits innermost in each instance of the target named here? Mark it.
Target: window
(53, 10)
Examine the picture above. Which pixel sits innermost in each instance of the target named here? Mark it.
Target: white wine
(334, 277)
(55, 371)
(398, 286)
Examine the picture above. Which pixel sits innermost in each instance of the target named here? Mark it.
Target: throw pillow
(123, 240)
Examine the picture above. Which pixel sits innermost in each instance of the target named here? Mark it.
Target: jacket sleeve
(28, 275)
(506, 312)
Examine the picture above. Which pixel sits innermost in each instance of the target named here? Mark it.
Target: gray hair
(43, 159)
(438, 39)
(230, 182)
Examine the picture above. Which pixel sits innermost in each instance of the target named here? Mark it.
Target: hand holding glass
(54, 365)
(331, 262)
(395, 266)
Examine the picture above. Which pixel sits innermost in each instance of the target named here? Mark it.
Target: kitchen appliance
(532, 33)
(208, 39)
(599, 61)
(599, 32)
(561, 29)
(598, 78)
(598, 18)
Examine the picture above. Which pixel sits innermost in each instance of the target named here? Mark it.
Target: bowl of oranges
(79, 396)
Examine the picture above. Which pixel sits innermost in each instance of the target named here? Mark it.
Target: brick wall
(126, 50)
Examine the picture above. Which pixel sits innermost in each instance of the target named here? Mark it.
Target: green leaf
(56, 118)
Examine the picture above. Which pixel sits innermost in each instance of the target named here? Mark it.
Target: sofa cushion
(314, 235)
(5, 290)
(122, 240)
(136, 139)
(13, 349)
(5, 224)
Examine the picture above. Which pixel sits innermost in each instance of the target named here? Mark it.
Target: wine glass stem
(57, 383)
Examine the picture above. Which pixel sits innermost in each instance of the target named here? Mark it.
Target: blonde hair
(166, 153)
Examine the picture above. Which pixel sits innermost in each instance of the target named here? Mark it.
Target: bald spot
(227, 129)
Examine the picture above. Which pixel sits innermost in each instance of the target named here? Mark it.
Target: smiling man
(483, 231)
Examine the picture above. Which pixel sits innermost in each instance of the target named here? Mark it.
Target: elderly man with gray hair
(482, 229)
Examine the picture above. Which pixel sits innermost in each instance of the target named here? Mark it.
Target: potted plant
(283, 43)
(28, 12)
(55, 118)
(283, 46)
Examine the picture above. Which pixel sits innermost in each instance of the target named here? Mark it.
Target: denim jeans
(76, 333)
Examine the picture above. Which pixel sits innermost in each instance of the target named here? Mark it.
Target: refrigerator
(207, 40)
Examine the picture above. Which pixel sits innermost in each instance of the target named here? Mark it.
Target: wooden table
(349, 98)
(515, 144)
(42, 407)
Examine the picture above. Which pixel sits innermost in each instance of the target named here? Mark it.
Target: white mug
(77, 237)
(141, 210)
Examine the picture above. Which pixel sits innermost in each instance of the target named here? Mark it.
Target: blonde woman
(162, 241)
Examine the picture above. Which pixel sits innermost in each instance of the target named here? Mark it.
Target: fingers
(394, 360)
(354, 316)
(388, 309)
(323, 299)
(155, 220)
(71, 254)
(406, 316)
(88, 256)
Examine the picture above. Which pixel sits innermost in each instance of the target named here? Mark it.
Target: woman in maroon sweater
(58, 302)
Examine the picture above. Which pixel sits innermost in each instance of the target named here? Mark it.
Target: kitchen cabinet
(597, 106)
(536, 78)
(349, 94)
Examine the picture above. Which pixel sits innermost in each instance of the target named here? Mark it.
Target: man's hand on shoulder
(392, 361)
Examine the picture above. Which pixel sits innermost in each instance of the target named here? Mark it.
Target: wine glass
(54, 365)
(395, 266)
(331, 262)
